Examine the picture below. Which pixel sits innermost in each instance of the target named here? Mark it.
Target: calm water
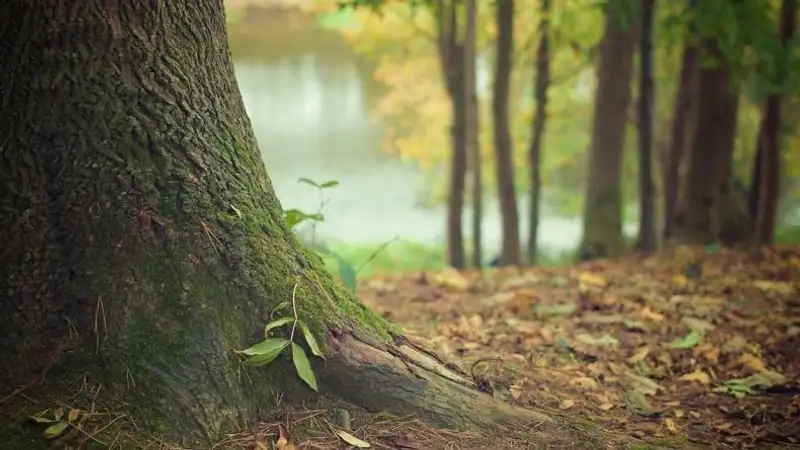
(309, 99)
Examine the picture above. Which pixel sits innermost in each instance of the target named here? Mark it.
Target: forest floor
(701, 345)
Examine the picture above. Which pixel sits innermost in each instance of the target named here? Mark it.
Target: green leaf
(310, 339)
(329, 184)
(54, 430)
(309, 181)
(266, 347)
(303, 366)
(294, 217)
(688, 341)
(281, 305)
(276, 323)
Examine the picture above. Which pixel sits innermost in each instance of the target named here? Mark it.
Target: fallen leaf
(639, 355)
(352, 440)
(591, 279)
(567, 403)
(753, 362)
(671, 425)
(698, 375)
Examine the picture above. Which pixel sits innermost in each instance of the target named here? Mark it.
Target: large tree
(602, 211)
(142, 241)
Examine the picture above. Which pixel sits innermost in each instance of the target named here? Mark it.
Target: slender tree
(506, 187)
(602, 216)
(472, 129)
(681, 124)
(451, 56)
(647, 232)
(765, 184)
(541, 82)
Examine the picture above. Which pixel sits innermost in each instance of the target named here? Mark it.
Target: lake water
(310, 101)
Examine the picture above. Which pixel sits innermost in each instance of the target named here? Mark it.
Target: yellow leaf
(753, 362)
(605, 406)
(567, 403)
(591, 279)
(648, 314)
(453, 279)
(680, 280)
(640, 355)
(352, 440)
(671, 425)
(73, 415)
(699, 376)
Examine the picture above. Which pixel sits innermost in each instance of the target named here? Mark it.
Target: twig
(294, 311)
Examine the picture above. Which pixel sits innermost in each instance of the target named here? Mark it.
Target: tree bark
(602, 214)
(647, 233)
(504, 163)
(681, 124)
(143, 242)
(765, 184)
(541, 83)
(704, 209)
(451, 56)
(473, 131)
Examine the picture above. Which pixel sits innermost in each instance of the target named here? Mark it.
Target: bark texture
(706, 204)
(602, 212)
(765, 184)
(682, 120)
(504, 163)
(143, 242)
(472, 130)
(541, 82)
(451, 56)
(647, 214)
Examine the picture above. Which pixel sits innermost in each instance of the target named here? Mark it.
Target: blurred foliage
(399, 38)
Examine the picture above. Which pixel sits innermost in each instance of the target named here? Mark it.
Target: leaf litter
(699, 345)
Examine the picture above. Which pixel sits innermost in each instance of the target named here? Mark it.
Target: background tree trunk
(540, 83)
(473, 131)
(142, 240)
(506, 187)
(765, 184)
(602, 213)
(451, 55)
(705, 202)
(682, 117)
(647, 233)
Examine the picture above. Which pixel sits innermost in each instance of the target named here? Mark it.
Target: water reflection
(309, 99)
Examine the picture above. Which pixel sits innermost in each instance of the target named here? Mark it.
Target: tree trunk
(541, 83)
(506, 187)
(451, 55)
(143, 242)
(473, 131)
(681, 124)
(705, 201)
(764, 187)
(647, 232)
(602, 214)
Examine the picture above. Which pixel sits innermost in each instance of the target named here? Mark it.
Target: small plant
(270, 348)
(58, 420)
(294, 217)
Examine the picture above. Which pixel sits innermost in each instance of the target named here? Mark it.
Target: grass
(399, 257)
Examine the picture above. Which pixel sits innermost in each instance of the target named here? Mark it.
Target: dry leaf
(753, 362)
(699, 376)
(671, 425)
(352, 440)
(591, 279)
(567, 403)
(639, 355)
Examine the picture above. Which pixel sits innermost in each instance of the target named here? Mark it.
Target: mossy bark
(602, 211)
(143, 242)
